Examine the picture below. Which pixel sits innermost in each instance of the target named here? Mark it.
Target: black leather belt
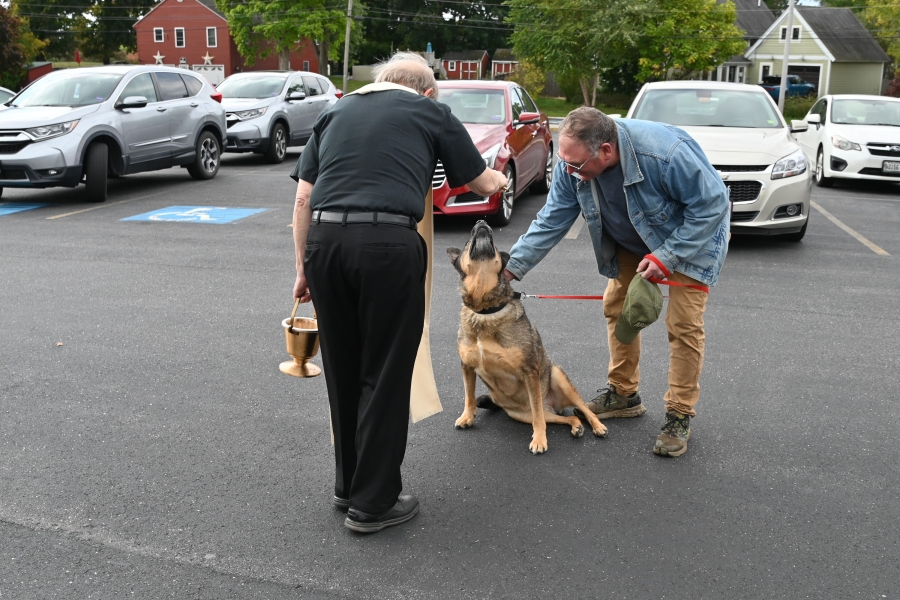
(370, 218)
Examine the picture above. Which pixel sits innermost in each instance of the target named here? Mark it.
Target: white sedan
(853, 137)
(743, 135)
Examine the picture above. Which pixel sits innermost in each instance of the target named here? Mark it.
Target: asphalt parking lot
(150, 447)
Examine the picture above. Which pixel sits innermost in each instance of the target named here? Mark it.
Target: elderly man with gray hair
(654, 206)
(362, 182)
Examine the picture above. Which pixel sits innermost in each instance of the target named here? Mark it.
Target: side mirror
(132, 102)
(799, 126)
(527, 118)
(297, 96)
(816, 119)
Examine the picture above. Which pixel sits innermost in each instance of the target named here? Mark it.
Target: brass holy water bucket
(302, 336)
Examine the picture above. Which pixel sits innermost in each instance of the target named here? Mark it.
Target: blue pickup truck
(795, 86)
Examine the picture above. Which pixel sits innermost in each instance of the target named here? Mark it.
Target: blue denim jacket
(676, 201)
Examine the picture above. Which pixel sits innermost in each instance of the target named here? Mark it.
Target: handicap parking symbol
(197, 214)
(8, 208)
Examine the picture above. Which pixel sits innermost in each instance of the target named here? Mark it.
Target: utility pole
(347, 43)
(782, 89)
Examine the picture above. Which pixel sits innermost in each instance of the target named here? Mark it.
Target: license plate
(890, 166)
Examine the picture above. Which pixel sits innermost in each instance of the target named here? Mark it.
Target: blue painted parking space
(197, 214)
(7, 208)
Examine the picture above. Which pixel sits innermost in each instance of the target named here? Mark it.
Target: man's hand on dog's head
(509, 276)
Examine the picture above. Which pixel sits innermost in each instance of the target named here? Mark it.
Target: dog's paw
(578, 431)
(600, 430)
(465, 421)
(538, 444)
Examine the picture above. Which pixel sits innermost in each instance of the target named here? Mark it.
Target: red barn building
(468, 64)
(504, 62)
(36, 70)
(193, 34)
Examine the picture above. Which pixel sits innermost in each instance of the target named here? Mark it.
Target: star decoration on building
(207, 60)
(159, 57)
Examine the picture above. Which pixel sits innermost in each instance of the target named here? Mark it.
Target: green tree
(577, 39)
(99, 28)
(31, 44)
(684, 37)
(452, 25)
(264, 27)
(884, 21)
(777, 6)
(12, 54)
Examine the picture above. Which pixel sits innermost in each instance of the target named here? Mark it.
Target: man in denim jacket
(654, 206)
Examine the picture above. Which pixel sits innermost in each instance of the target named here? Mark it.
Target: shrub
(530, 77)
(796, 107)
(893, 88)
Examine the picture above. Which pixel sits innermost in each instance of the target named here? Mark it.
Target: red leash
(701, 288)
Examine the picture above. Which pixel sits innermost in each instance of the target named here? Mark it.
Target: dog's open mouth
(481, 245)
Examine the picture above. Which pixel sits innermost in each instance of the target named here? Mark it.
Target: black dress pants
(367, 283)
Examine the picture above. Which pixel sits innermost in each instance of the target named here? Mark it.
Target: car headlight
(51, 131)
(792, 164)
(250, 114)
(490, 156)
(842, 144)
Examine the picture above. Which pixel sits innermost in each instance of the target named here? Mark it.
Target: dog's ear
(454, 254)
(504, 258)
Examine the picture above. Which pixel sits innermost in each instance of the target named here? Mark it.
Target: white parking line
(576, 228)
(105, 204)
(861, 238)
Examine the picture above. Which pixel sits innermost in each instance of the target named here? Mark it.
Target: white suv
(79, 125)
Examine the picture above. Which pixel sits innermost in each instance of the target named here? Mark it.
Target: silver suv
(79, 125)
(271, 110)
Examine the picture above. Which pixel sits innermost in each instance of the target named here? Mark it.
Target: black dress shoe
(486, 402)
(406, 508)
(341, 503)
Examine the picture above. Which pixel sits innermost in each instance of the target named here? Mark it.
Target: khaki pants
(684, 322)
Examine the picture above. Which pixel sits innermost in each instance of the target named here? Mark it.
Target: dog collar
(492, 310)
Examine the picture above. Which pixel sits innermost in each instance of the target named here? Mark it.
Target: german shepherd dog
(499, 343)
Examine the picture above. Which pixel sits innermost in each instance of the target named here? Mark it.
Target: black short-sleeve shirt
(378, 151)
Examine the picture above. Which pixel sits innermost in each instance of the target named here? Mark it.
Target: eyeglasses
(573, 167)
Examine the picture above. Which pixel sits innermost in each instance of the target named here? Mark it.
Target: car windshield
(69, 89)
(708, 108)
(476, 106)
(4, 96)
(261, 86)
(866, 112)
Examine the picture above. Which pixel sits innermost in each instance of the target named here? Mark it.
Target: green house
(830, 49)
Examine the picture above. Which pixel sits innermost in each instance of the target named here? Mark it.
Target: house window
(765, 70)
(794, 36)
(451, 65)
(306, 65)
(158, 35)
(211, 37)
(179, 37)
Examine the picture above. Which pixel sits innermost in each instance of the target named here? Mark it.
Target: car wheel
(277, 145)
(206, 163)
(95, 171)
(503, 215)
(542, 186)
(821, 180)
(795, 237)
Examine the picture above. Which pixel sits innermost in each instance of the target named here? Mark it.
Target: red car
(513, 137)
